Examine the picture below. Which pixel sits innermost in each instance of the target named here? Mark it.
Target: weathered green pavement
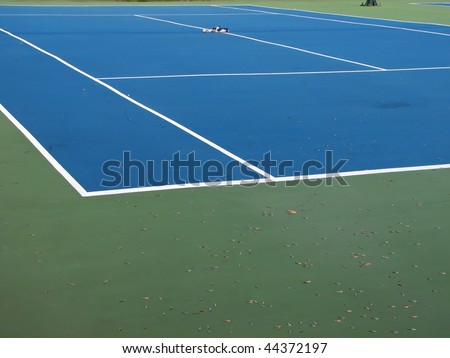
(367, 260)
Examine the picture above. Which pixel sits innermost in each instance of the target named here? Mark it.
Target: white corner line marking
(180, 186)
(267, 43)
(300, 178)
(44, 152)
(148, 109)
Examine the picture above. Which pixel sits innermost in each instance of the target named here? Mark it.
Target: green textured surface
(222, 262)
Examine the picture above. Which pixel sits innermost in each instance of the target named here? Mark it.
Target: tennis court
(284, 85)
(82, 86)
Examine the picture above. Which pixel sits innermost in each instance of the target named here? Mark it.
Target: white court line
(267, 43)
(169, 22)
(344, 15)
(235, 74)
(361, 172)
(178, 186)
(335, 20)
(44, 152)
(65, 15)
(271, 73)
(300, 178)
(307, 51)
(127, 15)
(200, 14)
(148, 109)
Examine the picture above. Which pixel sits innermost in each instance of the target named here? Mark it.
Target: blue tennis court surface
(116, 97)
